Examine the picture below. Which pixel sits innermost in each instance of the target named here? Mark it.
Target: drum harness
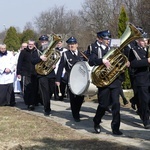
(66, 60)
(136, 55)
(99, 50)
(133, 70)
(69, 64)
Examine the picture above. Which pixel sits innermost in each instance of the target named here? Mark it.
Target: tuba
(101, 75)
(53, 56)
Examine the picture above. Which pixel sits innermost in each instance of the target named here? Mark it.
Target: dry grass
(24, 131)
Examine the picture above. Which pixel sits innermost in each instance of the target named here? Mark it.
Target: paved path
(133, 132)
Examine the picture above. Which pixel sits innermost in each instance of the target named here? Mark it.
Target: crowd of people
(39, 88)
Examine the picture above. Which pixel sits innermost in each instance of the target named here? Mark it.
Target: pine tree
(12, 40)
(27, 35)
(123, 19)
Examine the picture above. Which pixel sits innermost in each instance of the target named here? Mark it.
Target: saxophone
(102, 76)
(53, 56)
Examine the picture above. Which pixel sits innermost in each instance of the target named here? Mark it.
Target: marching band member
(46, 82)
(109, 94)
(139, 58)
(7, 68)
(68, 59)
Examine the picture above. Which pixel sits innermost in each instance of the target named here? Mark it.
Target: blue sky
(17, 12)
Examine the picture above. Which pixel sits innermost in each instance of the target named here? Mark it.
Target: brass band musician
(139, 58)
(46, 82)
(109, 94)
(68, 59)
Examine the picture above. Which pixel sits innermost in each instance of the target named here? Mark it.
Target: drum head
(79, 79)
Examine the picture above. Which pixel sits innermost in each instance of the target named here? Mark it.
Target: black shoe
(37, 104)
(56, 98)
(47, 113)
(132, 105)
(125, 102)
(97, 128)
(31, 107)
(117, 132)
(12, 104)
(77, 119)
(147, 126)
(61, 99)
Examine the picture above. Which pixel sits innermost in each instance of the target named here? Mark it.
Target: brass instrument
(45, 67)
(101, 75)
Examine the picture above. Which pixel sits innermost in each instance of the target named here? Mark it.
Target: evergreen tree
(27, 35)
(12, 40)
(123, 19)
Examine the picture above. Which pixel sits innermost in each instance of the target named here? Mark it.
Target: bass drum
(80, 79)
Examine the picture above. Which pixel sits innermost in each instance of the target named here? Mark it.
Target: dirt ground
(24, 131)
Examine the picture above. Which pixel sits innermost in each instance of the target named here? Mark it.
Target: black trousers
(75, 103)
(122, 94)
(134, 100)
(47, 87)
(144, 101)
(30, 89)
(107, 96)
(7, 96)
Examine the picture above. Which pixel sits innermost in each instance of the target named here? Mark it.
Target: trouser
(30, 90)
(107, 96)
(75, 103)
(134, 100)
(144, 100)
(122, 94)
(7, 96)
(47, 87)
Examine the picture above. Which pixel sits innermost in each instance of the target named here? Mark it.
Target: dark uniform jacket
(95, 60)
(93, 47)
(139, 66)
(67, 61)
(24, 65)
(36, 59)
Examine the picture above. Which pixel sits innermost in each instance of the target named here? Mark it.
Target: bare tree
(143, 12)
(58, 21)
(52, 20)
(138, 12)
(28, 26)
(95, 15)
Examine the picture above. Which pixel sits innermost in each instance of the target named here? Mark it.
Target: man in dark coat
(26, 72)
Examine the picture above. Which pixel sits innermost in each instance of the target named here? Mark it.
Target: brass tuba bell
(45, 67)
(101, 75)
